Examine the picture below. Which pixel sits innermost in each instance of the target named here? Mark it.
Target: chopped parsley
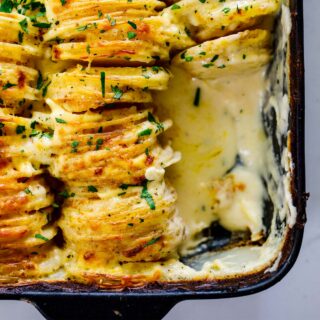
(41, 237)
(155, 69)
(8, 85)
(1, 127)
(131, 35)
(27, 191)
(132, 24)
(39, 81)
(6, 6)
(196, 100)
(215, 58)
(42, 25)
(145, 194)
(59, 120)
(20, 36)
(85, 27)
(152, 119)
(48, 135)
(20, 129)
(207, 65)
(74, 146)
(92, 189)
(45, 89)
(152, 241)
(63, 2)
(33, 124)
(117, 92)
(34, 133)
(99, 143)
(125, 186)
(103, 83)
(24, 25)
(226, 10)
(145, 132)
(175, 7)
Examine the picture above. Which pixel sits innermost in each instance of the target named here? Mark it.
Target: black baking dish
(71, 301)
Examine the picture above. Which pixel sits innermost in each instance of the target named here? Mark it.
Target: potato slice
(17, 84)
(243, 52)
(75, 9)
(79, 90)
(20, 26)
(212, 18)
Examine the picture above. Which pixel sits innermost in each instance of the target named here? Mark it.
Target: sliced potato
(239, 53)
(111, 52)
(17, 28)
(153, 29)
(17, 84)
(75, 9)
(23, 54)
(80, 90)
(212, 18)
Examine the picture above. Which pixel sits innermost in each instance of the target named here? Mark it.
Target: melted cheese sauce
(226, 125)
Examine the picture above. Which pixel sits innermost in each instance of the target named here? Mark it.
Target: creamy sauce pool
(226, 123)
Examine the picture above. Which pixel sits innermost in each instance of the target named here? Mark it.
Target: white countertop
(297, 296)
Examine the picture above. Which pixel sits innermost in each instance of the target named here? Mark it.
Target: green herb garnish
(24, 25)
(145, 132)
(103, 83)
(196, 100)
(42, 25)
(117, 92)
(27, 191)
(131, 35)
(175, 7)
(152, 119)
(92, 189)
(8, 85)
(59, 120)
(74, 146)
(132, 24)
(41, 237)
(152, 241)
(20, 129)
(145, 194)
(6, 6)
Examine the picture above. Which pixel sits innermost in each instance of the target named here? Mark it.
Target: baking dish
(71, 301)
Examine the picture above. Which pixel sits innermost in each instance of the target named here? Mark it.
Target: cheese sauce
(212, 135)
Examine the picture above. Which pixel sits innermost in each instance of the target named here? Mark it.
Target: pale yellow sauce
(209, 136)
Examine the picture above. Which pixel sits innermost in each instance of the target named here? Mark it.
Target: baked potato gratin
(98, 99)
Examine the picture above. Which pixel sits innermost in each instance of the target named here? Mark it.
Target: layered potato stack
(100, 62)
(26, 227)
(118, 206)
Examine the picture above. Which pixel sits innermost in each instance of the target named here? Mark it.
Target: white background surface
(297, 297)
